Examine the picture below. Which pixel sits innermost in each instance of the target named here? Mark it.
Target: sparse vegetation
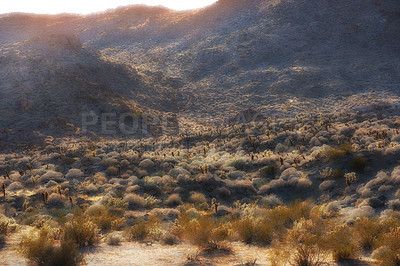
(41, 248)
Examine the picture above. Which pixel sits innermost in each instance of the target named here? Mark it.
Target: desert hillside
(271, 56)
(249, 132)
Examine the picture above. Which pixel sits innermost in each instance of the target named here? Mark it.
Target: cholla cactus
(350, 178)
(215, 204)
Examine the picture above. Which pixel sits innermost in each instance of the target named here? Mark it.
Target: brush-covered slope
(274, 56)
(48, 82)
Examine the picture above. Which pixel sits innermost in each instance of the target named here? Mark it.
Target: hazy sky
(90, 6)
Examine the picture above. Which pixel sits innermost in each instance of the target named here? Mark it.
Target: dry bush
(56, 201)
(144, 229)
(112, 171)
(135, 201)
(74, 174)
(304, 244)
(104, 219)
(40, 248)
(342, 244)
(173, 200)
(204, 231)
(197, 197)
(389, 252)
(81, 231)
(283, 217)
(339, 152)
(329, 173)
(152, 202)
(254, 230)
(113, 240)
(7, 225)
(116, 203)
(366, 231)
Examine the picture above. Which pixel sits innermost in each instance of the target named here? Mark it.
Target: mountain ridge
(277, 57)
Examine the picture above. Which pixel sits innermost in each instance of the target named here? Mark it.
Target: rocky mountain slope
(279, 57)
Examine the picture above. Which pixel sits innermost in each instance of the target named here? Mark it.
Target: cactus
(215, 204)
(350, 178)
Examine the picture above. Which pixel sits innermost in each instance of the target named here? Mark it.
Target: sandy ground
(156, 254)
(130, 253)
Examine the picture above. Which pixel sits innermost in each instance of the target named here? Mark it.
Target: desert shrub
(152, 202)
(74, 173)
(358, 164)
(341, 243)
(346, 147)
(41, 249)
(104, 219)
(143, 229)
(203, 231)
(107, 162)
(113, 240)
(239, 164)
(339, 152)
(56, 201)
(117, 203)
(81, 231)
(270, 201)
(49, 175)
(254, 230)
(146, 164)
(283, 217)
(112, 171)
(329, 173)
(304, 244)
(135, 201)
(15, 186)
(197, 197)
(269, 171)
(169, 239)
(389, 252)
(173, 200)
(394, 204)
(7, 225)
(366, 231)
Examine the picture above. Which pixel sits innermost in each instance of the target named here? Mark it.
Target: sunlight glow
(91, 6)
